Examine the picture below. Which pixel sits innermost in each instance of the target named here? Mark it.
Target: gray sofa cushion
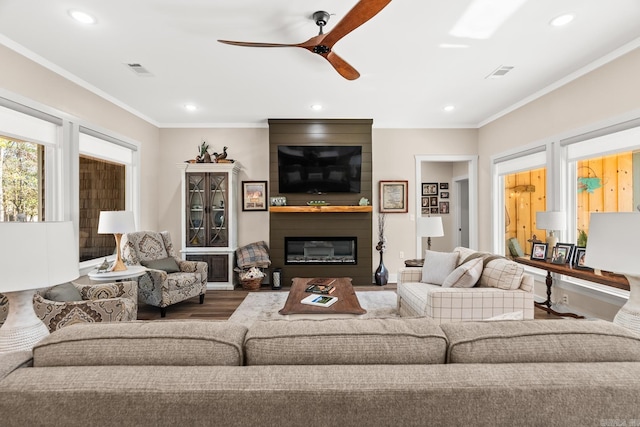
(345, 341)
(544, 341)
(143, 343)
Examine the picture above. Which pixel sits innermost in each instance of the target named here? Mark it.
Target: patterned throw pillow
(502, 274)
(438, 266)
(253, 255)
(465, 276)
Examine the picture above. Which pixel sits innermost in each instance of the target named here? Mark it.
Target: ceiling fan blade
(342, 66)
(358, 15)
(252, 44)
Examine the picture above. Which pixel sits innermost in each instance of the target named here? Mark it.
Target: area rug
(265, 306)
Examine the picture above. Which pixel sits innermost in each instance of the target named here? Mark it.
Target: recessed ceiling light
(82, 17)
(190, 107)
(448, 108)
(316, 107)
(562, 20)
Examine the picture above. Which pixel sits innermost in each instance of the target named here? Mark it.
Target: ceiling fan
(322, 44)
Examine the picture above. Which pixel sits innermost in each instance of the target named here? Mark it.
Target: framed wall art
(254, 195)
(444, 207)
(393, 196)
(429, 188)
(444, 185)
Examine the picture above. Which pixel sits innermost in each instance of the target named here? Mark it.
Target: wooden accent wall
(325, 224)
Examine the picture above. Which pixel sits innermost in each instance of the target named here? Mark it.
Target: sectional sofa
(369, 372)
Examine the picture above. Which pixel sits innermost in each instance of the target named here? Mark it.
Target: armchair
(168, 279)
(105, 302)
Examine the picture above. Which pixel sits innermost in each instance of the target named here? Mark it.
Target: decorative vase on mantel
(382, 274)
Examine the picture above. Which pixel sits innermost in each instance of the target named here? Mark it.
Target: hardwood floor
(219, 305)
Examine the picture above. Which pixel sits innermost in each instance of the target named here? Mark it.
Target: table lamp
(430, 226)
(116, 223)
(613, 246)
(551, 221)
(33, 255)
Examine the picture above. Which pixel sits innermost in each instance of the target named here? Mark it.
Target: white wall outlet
(564, 300)
(401, 255)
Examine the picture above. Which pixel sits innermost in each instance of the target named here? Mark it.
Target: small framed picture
(393, 196)
(559, 255)
(444, 194)
(569, 254)
(433, 201)
(429, 188)
(425, 202)
(444, 207)
(444, 185)
(578, 258)
(426, 211)
(254, 195)
(435, 210)
(539, 251)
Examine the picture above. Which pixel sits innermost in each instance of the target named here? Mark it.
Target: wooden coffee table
(347, 301)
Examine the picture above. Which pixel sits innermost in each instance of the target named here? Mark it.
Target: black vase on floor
(382, 274)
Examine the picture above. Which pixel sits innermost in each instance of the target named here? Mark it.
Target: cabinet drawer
(218, 266)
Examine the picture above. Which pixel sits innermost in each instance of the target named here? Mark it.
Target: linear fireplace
(320, 250)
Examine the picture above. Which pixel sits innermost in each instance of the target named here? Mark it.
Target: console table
(609, 279)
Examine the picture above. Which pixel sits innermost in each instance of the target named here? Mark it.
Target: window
(105, 166)
(21, 181)
(604, 176)
(521, 188)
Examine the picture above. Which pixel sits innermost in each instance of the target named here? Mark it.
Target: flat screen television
(319, 169)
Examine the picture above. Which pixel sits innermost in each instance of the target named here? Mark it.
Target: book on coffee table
(319, 300)
(320, 289)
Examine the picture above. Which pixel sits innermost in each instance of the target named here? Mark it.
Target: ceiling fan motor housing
(321, 17)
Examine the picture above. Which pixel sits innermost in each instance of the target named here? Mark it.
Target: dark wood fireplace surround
(342, 217)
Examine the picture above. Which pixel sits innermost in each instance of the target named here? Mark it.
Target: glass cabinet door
(218, 219)
(196, 205)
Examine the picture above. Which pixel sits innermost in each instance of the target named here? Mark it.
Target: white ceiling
(406, 78)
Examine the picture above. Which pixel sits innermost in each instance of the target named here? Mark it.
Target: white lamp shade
(116, 222)
(430, 226)
(613, 242)
(35, 255)
(551, 220)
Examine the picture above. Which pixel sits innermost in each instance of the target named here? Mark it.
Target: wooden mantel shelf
(319, 209)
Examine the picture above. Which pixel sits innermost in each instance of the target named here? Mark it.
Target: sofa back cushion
(345, 341)
(498, 272)
(166, 343)
(544, 341)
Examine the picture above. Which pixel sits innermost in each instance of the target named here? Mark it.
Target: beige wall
(24, 77)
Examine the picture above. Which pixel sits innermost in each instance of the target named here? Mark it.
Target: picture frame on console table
(394, 196)
(569, 251)
(539, 251)
(254, 196)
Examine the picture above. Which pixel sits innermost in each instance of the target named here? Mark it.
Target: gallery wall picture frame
(433, 201)
(434, 211)
(425, 202)
(429, 188)
(444, 185)
(444, 194)
(539, 251)
(444, 207)
(394, 196)
(254, 195)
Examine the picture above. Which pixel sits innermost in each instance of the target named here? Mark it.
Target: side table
(114, 276)
(414, 262)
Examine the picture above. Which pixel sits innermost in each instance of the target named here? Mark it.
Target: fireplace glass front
(320, 250)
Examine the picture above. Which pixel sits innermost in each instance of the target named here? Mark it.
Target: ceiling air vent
(499, 72)
(139, 70)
